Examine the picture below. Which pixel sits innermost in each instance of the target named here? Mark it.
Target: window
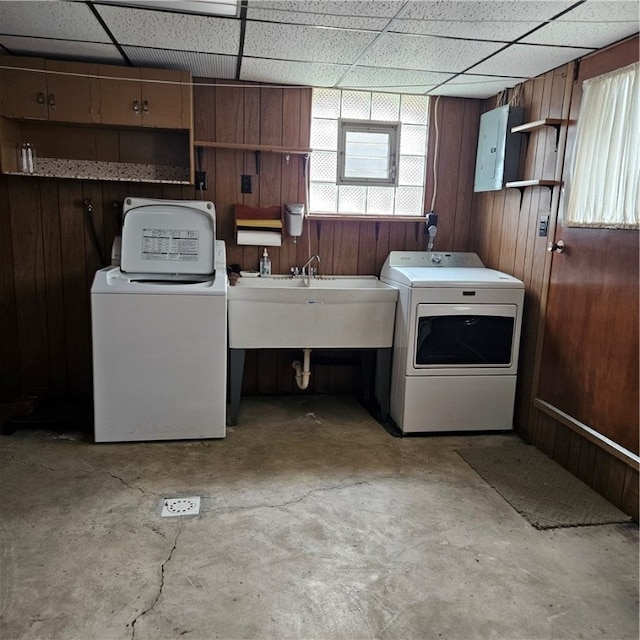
(603, 185)
(369, 153)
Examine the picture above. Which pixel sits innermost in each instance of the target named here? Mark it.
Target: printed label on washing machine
(169, 244)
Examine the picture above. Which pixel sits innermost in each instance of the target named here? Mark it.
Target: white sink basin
(330, 312)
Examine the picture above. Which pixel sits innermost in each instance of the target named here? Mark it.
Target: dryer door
(465, 339)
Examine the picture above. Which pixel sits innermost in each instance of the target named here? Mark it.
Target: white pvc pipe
(303, 371)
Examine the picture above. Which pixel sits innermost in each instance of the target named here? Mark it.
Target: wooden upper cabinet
(36, 89)
(69, 92)
(145, 97)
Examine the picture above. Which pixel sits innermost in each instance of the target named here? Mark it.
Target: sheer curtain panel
(603, 186)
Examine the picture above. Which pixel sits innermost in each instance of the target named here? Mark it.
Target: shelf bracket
(258, 155)
(557, 128)
(521, 189)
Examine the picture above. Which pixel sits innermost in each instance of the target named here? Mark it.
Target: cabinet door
(120, 98)
(24, 93)
(162, 98)
(69, 96)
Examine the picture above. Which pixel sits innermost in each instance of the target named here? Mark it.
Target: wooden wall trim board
(611, 447)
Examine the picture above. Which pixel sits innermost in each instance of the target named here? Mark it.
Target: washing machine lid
(173, 237)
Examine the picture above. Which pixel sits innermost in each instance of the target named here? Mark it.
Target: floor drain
(181, 507)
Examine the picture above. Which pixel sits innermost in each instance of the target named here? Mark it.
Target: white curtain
(603, 184)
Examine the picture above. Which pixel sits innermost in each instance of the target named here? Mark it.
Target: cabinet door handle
(52, 101)
(136, 106)
(145, 106)
(40, 98)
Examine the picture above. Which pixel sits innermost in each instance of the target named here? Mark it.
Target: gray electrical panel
(498, 158)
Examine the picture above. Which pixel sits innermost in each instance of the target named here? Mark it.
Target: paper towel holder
(293, 219)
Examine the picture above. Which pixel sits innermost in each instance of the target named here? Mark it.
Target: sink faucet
(308, 262)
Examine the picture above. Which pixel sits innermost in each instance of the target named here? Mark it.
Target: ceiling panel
(63, 49)
(310, 44)
(62, 20)
(259, 13)
(528, 60)
(288, 72)
(475, 86)
(496, 11)
(167, 30)
(592, 24)
(371, 8)
(585, 34)
(207, 65)
(426, 53)
(397, 80)
(502, 31)
(495, 20)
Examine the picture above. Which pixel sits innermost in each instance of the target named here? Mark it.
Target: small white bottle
(265, 264)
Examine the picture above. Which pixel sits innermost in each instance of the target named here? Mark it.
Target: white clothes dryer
(159, 327)
(456, 342)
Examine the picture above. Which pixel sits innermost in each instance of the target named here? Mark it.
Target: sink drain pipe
(303, 371)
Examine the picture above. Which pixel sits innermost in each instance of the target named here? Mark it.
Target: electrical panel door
(498, 157)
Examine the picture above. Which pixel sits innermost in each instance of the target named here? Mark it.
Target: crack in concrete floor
(161, 587)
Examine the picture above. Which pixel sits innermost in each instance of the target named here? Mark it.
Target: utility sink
(330, 312)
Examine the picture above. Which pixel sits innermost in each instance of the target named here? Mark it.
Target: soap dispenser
(265, 264)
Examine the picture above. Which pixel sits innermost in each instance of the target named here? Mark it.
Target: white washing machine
(159, 327)
(456, 342)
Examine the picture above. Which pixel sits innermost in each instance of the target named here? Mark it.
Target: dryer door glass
(448, 335)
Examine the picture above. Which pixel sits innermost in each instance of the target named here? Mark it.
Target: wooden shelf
(521, 184)
(293, 151)
(537, 124)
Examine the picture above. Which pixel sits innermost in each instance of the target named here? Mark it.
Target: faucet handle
(295, 271)
(313, 272)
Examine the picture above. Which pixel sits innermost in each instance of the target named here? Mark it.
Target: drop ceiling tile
(474, 86)
(259, 13)
(362, 8)
(165, 30)
(502, 31)
(63, 49)
(496, 20)
(604, 11)
(487, 10)
(305, 43)
(595, 23)
(62, 20)
(392, 80)
(582, 34)
(291, 73)
(204, 65)
(402, 51)
(528, 60)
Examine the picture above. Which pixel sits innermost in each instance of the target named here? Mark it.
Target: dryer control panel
(432, 259)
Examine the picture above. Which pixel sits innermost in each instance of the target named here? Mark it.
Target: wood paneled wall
(504, 232)
(48, 261)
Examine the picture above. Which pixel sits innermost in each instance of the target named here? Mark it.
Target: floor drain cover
(181, 507)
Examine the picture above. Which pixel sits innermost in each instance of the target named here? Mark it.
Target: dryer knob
(436, 258)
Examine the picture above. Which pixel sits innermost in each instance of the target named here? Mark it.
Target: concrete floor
(315, 523)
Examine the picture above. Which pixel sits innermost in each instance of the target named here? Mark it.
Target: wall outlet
(201, 180)
(245, 184)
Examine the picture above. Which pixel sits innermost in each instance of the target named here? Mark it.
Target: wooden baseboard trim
(611, 447)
